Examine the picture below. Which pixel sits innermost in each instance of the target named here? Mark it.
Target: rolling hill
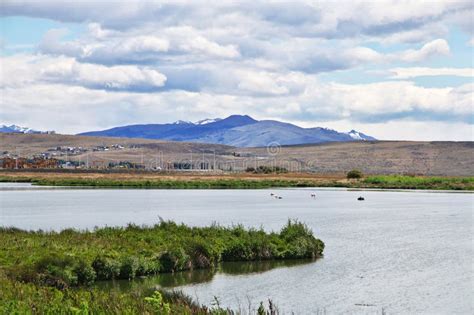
(372, 157)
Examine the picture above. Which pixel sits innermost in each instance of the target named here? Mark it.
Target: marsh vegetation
(354, 179)
(53, 271)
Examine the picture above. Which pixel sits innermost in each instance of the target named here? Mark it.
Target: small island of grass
(43, 272)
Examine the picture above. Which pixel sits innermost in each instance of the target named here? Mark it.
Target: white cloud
(399, 97)
(260, 83)
(435, 47)
(204, 45)
(29, 69)
(103, 46)
(406, 73)
(406, 129)
(417, 35)
(142, 45)
(116, 77)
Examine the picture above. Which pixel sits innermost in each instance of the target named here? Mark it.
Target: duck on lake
(361, 198)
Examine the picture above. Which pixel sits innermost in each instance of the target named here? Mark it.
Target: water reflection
(183, 278)
(239, 268)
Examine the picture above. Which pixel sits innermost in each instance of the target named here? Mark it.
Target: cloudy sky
(391, 69)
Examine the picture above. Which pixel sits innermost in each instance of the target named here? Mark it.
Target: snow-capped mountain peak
(207, 121)
(356, 135)
(19, 129)
(182, 122)
(14, 128)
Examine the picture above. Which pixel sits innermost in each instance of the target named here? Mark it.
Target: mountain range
(18, 129)
(235, 130)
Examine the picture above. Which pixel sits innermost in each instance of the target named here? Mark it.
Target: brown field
(333, 159)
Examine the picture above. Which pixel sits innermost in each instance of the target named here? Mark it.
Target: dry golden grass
(381, 157)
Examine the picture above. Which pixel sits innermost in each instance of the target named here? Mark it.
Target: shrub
(202, 257)
(85, 273)
(270, 169)
(237, 250)
(354, 174)
(148, 266)
(294, 230)
(106, 268)
(300, 242)
(174, 260)
(57, 271)
(159, 306)
(128, 268)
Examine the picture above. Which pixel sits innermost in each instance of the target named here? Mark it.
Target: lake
(398, 251)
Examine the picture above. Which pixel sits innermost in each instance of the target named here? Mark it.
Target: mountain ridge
(235, 130)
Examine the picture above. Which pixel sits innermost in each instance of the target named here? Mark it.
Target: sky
(396, 70)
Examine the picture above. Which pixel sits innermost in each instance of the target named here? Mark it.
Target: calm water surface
(405, 252)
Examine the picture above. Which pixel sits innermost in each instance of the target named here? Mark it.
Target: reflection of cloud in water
(178, 279)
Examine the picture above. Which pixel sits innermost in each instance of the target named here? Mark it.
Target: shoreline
(315, 188)
(237, 181)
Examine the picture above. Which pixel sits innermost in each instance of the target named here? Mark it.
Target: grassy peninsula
(52, 271)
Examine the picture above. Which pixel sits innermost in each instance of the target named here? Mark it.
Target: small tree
(354, 174)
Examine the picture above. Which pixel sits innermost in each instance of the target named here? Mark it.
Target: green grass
(379, 181)
(71, 258)
(418, 182)
(52, 272)
(164, 183)
(28, 298)
(179, 184)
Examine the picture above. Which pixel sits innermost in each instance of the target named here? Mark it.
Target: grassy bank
(26, 298)
(181, 184)
(417, 182)
(254, 182)
(59, 267)
(29, 298)
(163, 183)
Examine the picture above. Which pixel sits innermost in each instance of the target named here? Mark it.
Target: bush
(202, 256)
(300, 242)
(85, 273)
(128, 268)
(174, 260)
(270, 169)
(159, 306)
(106, 268)
(58, 271)
(354, 174)
(148, 266)
(239, 250)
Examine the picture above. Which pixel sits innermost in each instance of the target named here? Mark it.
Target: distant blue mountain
(235, 130)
